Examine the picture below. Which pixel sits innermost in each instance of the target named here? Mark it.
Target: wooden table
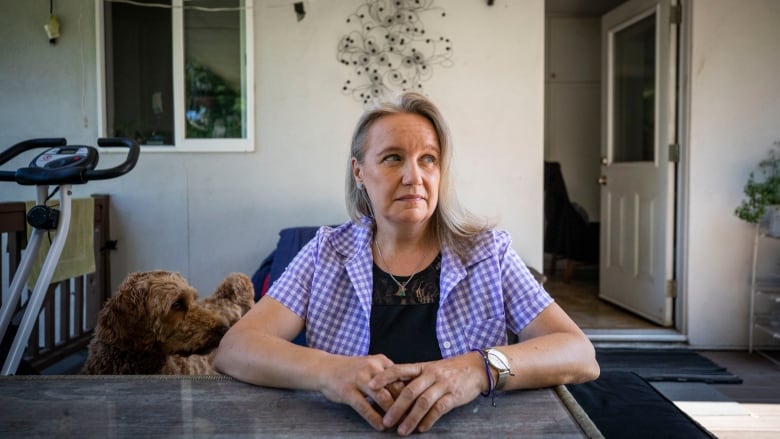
(168, 406)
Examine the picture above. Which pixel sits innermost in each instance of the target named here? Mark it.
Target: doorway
(573, 138)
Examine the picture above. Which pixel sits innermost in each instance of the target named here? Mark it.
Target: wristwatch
(498, 361)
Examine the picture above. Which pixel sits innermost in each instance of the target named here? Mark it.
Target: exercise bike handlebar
(23, 146)
(69, 175)
(131, 159)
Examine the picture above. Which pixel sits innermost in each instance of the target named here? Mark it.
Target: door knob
(603, 180)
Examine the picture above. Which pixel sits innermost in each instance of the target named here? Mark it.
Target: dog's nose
(221, 330)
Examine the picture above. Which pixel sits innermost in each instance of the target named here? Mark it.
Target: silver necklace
(401, 286)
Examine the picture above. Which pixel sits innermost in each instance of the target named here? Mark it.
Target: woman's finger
(366, 410)
(439, 387)
(395, 388)
(346, 381)
(408, 398)
(441, 407)
(382, 398)
(427, 409)
(395, 373)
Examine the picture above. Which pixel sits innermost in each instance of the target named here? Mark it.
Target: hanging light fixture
(53, 26)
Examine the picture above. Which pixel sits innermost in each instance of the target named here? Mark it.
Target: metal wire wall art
(391, 50)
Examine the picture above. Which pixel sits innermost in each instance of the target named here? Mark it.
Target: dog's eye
(179, 305)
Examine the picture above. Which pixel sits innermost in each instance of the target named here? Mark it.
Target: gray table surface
(171, 407)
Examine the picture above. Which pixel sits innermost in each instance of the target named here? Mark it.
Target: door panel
(637, 195)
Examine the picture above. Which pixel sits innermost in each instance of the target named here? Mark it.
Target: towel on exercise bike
(78, 254)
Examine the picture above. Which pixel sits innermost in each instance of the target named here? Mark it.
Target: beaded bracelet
(491, 388)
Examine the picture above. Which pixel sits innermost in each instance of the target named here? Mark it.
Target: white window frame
(246, 144)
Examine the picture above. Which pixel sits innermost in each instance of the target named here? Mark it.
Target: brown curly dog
(154, 324)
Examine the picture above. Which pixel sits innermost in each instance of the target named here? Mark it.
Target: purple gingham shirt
(329, 284)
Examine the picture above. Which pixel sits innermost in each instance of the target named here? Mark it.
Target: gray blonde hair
(450, 222)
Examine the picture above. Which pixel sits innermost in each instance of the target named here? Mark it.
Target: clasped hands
(408, 397)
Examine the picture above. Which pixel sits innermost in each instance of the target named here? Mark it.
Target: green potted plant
(762, 193)
(215, 107)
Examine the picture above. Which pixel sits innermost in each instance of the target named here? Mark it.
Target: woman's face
(400, 169)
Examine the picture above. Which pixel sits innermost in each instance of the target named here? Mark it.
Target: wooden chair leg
(567, 275)
(553, 263)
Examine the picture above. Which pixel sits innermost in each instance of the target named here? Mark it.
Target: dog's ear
(232, 298)
(123, 320)
(236, 288)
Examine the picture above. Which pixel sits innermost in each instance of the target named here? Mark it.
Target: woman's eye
(392, 158)
(429, 159)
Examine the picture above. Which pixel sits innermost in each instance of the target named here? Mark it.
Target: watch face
(497, 359)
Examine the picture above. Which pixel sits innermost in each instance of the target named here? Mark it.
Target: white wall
(206, 214)
(573, 106)
(735, 118)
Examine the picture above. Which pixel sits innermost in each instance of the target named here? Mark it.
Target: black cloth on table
(624, 405)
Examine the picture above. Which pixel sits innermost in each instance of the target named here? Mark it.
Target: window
(177, 74)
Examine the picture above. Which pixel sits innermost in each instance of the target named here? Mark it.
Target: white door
(637, 195)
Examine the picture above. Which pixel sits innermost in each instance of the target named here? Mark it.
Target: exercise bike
(60, 165)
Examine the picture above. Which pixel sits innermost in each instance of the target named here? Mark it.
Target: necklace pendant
(401, 291)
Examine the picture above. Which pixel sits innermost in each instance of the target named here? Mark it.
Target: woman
(406, 307)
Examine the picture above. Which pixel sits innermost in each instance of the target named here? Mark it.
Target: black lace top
(403, 323)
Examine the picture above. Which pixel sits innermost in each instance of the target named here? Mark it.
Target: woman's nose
(412, 173)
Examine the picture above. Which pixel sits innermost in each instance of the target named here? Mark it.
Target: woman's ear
(357, 171)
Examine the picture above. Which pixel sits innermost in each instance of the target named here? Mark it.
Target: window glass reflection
(634, 92)
(214, 74)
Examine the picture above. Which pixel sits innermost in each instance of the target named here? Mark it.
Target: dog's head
(157, 311)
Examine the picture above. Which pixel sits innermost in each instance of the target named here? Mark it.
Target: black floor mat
(665, 365)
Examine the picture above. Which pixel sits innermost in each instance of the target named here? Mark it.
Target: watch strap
(499, 361)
